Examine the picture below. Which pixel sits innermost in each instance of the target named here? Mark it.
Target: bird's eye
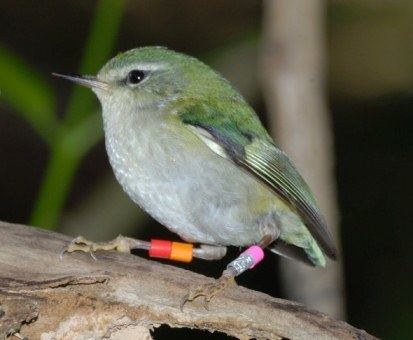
(135, 77)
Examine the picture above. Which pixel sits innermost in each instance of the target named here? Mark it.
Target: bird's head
(153, 77)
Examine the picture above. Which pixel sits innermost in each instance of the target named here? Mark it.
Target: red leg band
(161, 249)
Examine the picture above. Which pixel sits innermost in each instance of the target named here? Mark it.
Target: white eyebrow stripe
(149, 66)
(143, 67)
(113, 74)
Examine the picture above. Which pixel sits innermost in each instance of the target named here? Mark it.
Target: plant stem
(55, 187)
(102, 35)
(77, 133)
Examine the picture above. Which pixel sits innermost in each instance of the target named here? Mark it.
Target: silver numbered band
(241, 263)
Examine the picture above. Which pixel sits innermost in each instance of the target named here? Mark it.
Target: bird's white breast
(172, 175)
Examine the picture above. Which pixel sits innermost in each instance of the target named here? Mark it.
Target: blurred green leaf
(102, 36)
(81, 129)
(66, 156)
(29, 95)
(85, 135)
(55, 187)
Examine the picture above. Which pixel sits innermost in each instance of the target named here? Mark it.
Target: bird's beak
(88, 81)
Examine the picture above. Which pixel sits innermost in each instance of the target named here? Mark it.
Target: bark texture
(122, 296)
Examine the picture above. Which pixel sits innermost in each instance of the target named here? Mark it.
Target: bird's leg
(247, 260)
(121, 243)
(126, 244)
(208, 252)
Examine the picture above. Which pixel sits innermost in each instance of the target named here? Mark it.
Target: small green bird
(188, 149)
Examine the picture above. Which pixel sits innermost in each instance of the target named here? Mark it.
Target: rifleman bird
(188, 149)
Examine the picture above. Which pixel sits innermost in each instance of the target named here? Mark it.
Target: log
(123, 296)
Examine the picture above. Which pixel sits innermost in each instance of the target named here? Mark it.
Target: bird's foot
(209, 290)
(14, 332)
(120, 243)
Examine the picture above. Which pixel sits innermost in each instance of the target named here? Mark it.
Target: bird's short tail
(315, 254)
(310, 255)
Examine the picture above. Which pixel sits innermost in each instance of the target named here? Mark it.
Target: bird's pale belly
(191, 190)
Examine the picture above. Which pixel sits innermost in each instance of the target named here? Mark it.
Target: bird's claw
(193, 294)
(80, 244)
(207, 291)
(14, 332)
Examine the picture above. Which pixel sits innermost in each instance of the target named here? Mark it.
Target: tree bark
(293, 61)
(122, 296)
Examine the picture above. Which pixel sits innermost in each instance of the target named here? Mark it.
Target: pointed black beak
(88, 81)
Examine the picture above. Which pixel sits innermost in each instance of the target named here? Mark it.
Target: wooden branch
(122, 296)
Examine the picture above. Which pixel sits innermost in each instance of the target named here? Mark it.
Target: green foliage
(26, 92)
(103, 32)
(71, 138)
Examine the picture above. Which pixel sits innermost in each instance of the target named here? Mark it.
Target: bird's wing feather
(234, 131)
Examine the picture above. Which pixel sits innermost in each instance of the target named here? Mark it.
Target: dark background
(370, 77)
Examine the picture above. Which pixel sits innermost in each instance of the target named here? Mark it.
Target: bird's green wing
(234, 131)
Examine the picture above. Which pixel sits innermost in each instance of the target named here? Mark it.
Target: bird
(189, 150)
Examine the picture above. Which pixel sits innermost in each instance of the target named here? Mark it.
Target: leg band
(247, 260)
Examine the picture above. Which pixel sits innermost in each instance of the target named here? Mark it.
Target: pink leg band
(256, 253)
(247, 260)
